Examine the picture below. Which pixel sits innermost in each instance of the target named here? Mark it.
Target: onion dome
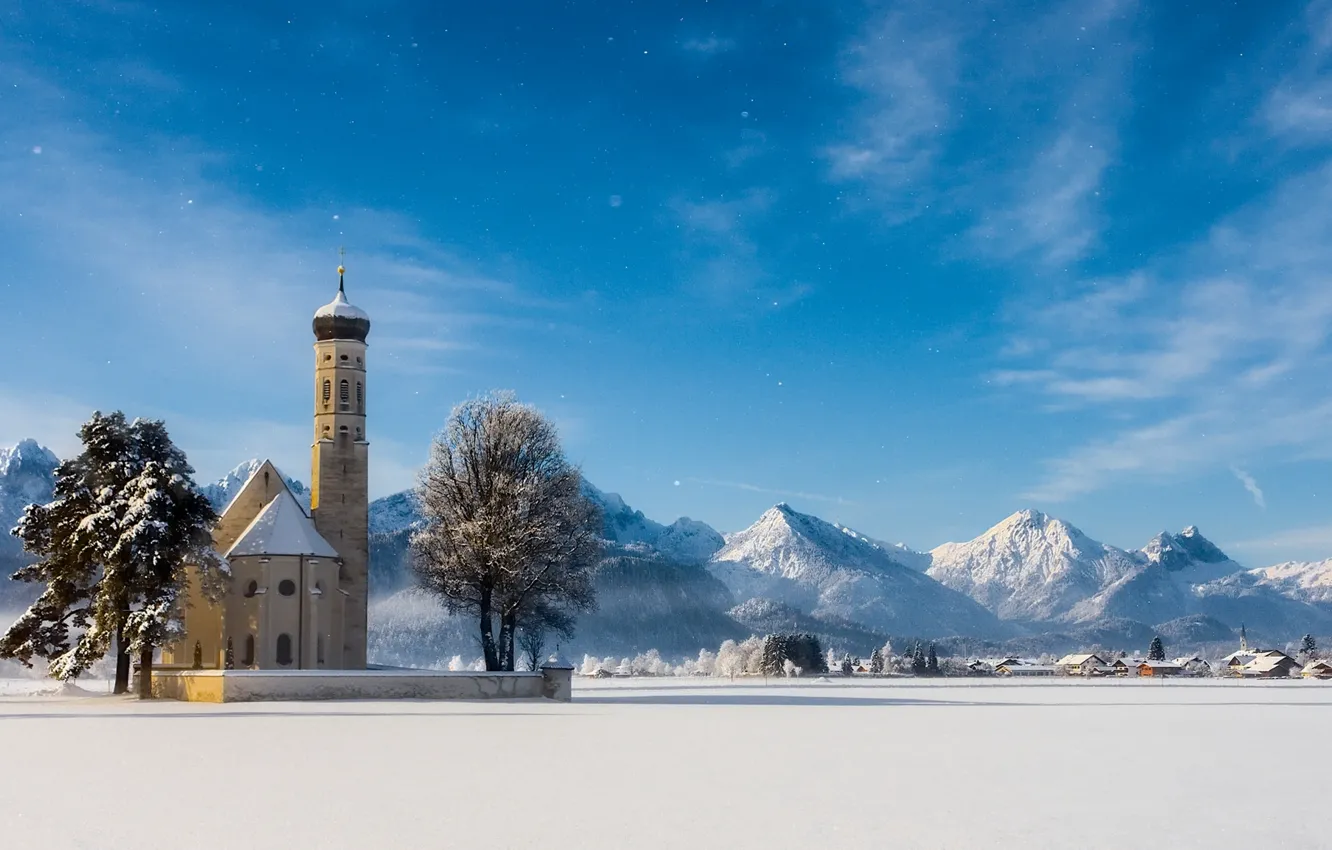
(340, 319)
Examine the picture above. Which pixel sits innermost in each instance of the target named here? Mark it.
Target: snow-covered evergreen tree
(876, 662)
(932, 662)
(1309, 648)
(1156, 651)
(919, 666)
(774, 656)
(115, 541)
(848, 667)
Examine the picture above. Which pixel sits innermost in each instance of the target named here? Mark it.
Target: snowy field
(637, 764)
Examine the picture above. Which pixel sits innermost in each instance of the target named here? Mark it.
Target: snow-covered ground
(681, 763)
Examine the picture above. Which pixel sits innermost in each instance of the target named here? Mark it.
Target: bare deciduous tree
(508, 536)
(532, 641)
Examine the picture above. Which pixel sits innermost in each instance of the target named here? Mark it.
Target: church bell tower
(339, 491)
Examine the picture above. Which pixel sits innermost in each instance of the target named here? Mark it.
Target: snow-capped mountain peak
(1029, 566)
(29, 455)
(829, 571)
(220, 493)
(27, 476)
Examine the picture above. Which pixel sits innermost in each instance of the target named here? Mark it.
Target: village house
(1317, 670)
(1159, 668)
(1083, 664)
(1016, 669)
(1271, 664)
(1125, 666)
(1192, 665)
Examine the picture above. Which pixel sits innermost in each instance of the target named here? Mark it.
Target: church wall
(203, 623)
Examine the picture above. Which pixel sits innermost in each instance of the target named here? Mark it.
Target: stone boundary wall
(261, 685)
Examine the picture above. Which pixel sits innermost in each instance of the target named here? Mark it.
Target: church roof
(340, 319)
(282, 528)
(340, 306)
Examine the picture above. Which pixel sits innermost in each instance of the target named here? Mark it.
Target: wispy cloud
(1251, 485)
(1314, 540)
(1298, 111)
(709, 45)
(1045, 203)
(726, 266)
(1211, 355)
(905, 65)
(769, 491)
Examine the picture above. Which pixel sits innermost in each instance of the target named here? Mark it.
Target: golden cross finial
(342, 254)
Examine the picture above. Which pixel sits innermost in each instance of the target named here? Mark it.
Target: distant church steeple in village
(1244, 639)
(339, 491)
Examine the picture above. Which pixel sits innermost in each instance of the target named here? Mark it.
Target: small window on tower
(284, 650)
(344, 395)
(251, 589)
(328, 392)
(360, 398)
(248, 660)
(344, 357)
(287, 587)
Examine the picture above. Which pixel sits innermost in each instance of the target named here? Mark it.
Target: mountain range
(1032, 582)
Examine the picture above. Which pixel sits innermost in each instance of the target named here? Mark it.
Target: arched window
(248, 660)
(344, 395)
(251, 589)
(284, 650)
(328, 391)
(286, 587)
(360, 398)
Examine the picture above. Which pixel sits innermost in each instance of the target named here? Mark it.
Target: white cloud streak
(1251, 485)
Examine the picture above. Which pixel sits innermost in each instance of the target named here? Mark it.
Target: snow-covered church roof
(282, 528)
(340, 319)
(343, 308)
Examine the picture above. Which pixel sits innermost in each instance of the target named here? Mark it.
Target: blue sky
(907, 267)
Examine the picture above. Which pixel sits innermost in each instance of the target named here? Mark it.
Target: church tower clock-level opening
(339, 492)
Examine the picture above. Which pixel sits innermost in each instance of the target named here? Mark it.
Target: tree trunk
(122, 662)
(146, 673)
(488, 632)
(508, 621)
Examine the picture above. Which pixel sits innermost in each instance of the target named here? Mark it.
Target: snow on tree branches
(507, 534)
(114, 542)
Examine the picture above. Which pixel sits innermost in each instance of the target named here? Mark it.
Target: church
(299, 586)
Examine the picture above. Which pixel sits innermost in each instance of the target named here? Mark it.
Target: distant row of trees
(508, 537)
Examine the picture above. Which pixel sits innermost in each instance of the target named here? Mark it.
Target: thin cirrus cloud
(1229, 339)
(770, 491)
(1251, 485)
(926, 79)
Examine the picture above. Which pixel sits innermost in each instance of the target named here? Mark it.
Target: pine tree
(1156, 652)
(932, 663)
(1309, 648)
(773, 662)
(125, 521)
(919, 666)
(876, 662)
(847, 666)
(813, 655)
(68, 535)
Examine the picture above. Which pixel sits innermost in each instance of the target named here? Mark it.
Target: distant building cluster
(1244, 663)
